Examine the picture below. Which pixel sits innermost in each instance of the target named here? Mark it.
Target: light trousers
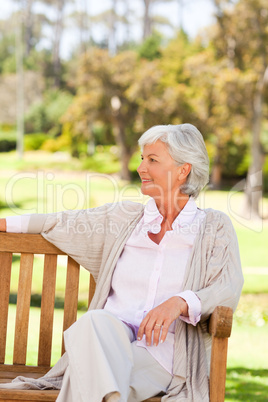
(105, 362)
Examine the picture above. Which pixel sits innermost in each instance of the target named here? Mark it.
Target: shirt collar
(185, 217)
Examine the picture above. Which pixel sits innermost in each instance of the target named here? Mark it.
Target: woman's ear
(184, 171)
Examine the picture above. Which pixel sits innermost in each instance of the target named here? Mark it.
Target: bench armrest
(220, 322)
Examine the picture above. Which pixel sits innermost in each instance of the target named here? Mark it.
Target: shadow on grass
(246, 384)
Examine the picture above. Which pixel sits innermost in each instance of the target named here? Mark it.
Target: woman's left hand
(159, 319)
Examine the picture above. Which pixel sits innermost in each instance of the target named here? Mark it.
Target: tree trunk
(127, 23)
(216, 176)
(84, 27)
(125, 153)
(58, 36)
(216, 173)
(125, 158)
(112, 45)
(147, 23)
(28, 24)
(20, 87)
(253, 191)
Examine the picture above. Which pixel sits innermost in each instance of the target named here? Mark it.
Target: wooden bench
(27, 245)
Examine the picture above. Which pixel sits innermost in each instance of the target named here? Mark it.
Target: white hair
(185, 144)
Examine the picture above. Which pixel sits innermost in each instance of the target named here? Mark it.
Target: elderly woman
(160, 272)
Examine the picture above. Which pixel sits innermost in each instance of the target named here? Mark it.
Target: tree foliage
(111, 92)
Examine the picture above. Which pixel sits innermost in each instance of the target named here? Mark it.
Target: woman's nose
(141, 168)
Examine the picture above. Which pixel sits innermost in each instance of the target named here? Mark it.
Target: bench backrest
(27, 245)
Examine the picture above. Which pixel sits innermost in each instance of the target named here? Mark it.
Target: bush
(105, 160)
(45, 116)
(34, 141)
(7, 139)
(7, 145)
(36, 119)
(60, 143)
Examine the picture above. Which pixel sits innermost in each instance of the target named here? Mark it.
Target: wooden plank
(218, 369)
(13, 370)
(71, 295)
(220, 323)
(28, 395)
(47, 310)
(23, 307)
(5, 266)
(92, 288)
(27, 243)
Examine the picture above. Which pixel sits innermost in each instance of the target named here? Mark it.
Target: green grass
(247, 364)
(37, 281)
(253, 246)
(32, 349)
(247, 368)
(247, 385)
(255, 283)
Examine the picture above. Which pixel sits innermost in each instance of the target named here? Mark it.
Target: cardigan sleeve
(224, 278)
(30, 223)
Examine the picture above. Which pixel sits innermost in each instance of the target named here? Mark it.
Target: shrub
(34, 141)
(45, 115)
(7, 139)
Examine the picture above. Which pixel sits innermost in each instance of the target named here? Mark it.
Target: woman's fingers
(157, 322)
(164, 333)
(142, 327)
(155, 330)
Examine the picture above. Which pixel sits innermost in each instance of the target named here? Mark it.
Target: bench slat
(71, 295)
(27, 243)
(13, 370)
(92, 287)
(23, 308)
(5, 264)
(28, 395)
(47, 310)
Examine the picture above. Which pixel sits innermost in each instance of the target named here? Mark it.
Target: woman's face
(159, 174)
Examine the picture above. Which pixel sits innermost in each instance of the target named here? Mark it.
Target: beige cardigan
(96, 237)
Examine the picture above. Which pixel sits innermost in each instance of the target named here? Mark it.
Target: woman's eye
(152, 160)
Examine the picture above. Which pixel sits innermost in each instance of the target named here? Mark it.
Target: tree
(243, 38)
(150, 20)
(128, 93)
(33, 24)
(102, 85)
(82, 20)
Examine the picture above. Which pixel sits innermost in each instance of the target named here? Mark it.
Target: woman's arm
(28, 223)
(224, 277)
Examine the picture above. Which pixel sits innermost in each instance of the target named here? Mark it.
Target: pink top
(147, 274)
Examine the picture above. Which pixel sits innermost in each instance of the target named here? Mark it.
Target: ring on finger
(158, 325)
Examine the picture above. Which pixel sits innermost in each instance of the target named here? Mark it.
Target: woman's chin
(146, 190)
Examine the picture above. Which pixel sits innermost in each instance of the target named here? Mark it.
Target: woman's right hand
(3, 225)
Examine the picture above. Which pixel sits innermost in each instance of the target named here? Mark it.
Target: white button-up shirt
(147, 274)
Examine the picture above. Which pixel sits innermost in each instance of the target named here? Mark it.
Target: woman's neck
(170, 208)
